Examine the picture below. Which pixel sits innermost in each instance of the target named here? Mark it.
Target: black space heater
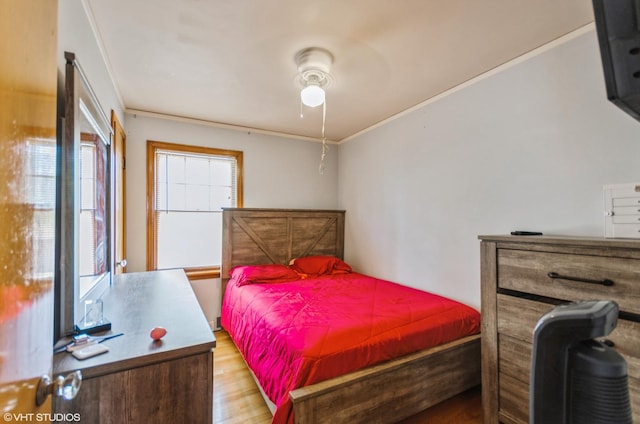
(574, 378)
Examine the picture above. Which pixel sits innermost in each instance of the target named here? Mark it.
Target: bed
(383, 371)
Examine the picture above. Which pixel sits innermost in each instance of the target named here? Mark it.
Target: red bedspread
(298, 333)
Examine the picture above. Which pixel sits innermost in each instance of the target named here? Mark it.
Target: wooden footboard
(394, 390)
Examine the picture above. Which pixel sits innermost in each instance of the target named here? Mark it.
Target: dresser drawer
(514, 400)
(626, 339)
(527, 271)
(515, 358)
(515, 363)
(517, 316)
(516, 319)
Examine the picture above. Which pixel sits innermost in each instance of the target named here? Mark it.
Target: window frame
(193, 273)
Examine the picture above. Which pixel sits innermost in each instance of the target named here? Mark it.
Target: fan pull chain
(324, 139)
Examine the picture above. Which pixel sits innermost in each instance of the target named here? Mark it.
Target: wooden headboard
(262, 236)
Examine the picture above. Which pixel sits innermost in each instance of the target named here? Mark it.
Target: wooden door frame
(118, 131)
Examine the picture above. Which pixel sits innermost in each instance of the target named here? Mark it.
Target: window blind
(190, 191)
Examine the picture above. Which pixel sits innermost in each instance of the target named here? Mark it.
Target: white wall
(528, 147)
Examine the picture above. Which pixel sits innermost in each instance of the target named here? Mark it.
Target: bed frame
(383, 393)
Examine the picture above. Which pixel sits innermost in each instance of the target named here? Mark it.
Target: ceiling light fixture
(313, 75)
(313, 69)
(312, 95)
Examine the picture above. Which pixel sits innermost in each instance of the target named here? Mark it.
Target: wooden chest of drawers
(138, 380)
(517, 290)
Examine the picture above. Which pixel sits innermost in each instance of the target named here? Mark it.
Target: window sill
(202, 273)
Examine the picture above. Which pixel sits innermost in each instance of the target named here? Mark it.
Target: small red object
(157, 333)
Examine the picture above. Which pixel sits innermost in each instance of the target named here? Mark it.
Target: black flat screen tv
(618, 29)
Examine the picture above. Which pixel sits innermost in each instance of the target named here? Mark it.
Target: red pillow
(320, 265)
(270, 273)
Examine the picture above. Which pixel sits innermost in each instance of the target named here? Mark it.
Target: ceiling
(232, 62)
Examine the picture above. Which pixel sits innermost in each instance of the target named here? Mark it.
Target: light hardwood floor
(237, 399)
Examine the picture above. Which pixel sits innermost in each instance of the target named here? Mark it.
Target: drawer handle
(605, 282)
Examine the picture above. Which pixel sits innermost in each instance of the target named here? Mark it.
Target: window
(187, 187)
(93, 233)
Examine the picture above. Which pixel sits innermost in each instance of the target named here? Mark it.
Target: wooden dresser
(517, 291)
(139, 380)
